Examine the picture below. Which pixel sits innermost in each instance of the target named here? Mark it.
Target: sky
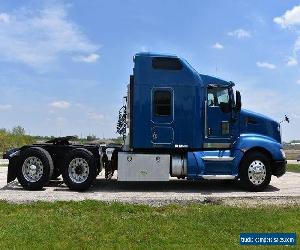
(65, 65)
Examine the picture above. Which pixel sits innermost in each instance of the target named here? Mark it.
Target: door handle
(209, 131)
(154, 136)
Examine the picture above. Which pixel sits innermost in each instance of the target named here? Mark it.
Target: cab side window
(217, 95)
(162, 103)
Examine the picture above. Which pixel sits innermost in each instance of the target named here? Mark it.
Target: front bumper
(279, 168)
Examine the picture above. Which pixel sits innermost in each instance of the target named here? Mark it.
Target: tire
(79, 169)
(35, 169)
(255, 172)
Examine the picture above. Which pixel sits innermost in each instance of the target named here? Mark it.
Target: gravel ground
(293, 162)
(282, 191)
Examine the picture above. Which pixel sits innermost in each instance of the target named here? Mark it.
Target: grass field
(293, 168)
(91, 224)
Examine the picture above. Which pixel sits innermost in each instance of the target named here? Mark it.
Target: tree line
(16, 137)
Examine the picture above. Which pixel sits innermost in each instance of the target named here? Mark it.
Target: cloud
(264, 100)
(239, 33)
(298, 81)
(87, 59)
(268, 101)
(265, 65)
(95, 116)
(60, 104)
(4, 18)
(290, 18)
(4, 107)
(218, 46)
(292, 61)
(297, 45)
(37, 37)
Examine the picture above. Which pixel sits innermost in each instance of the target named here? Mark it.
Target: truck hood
(252, 122)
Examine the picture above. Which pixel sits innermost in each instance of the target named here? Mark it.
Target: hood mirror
(238, 101)
(286, 119)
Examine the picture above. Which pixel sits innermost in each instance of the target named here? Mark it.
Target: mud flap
(12, 170)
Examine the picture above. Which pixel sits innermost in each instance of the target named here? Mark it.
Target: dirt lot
(284, 190)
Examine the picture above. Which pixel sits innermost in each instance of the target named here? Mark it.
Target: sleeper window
(166, 63)
(162, 103)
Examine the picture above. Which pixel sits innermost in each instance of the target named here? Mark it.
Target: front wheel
(79, 170)
(255, 172)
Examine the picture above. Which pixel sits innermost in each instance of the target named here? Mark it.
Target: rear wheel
(255, 172)
(79, 170)
(36, 168)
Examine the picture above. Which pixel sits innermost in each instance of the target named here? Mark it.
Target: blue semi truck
(176, 123)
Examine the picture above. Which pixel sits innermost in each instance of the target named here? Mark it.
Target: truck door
(218, 114)
(162, 117)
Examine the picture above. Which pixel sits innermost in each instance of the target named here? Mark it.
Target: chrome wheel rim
(78, 170)
(257, 172)
(32, 169)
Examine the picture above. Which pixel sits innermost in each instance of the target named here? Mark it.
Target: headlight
(283, 153)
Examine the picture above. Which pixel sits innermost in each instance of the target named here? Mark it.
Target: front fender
(248, 141)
